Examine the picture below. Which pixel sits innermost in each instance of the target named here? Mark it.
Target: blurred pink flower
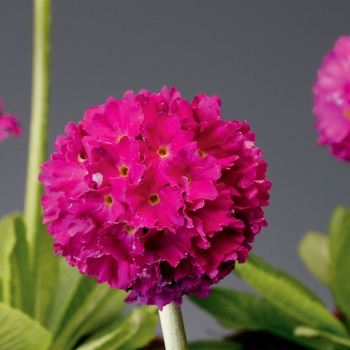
(155, 195)
(8, 124)
(332, 100)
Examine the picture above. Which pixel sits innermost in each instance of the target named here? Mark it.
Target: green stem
(173, 328)
(39, 117)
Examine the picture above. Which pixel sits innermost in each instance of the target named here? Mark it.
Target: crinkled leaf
(8, 240)
(81, 310)
(20, 332)
(289, 295)
(314, 251)
(45, 267)
(215, 345)
(339, 246)
(311, 333)
(240, 310)
(131, 332)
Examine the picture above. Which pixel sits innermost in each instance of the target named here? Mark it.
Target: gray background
(260, 57)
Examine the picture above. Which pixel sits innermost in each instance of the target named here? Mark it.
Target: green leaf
(81, 310)
(67, 278)
(131, 332)
(142, 325)
(240, 310)
(215, 345)
(22, 280)
(29, 287)
(339, 244)
(289, 295)
(314, 251)
(18, 331)
(257, 265)
(335, 229)
(232, 309)
(45, 267)
(311, 332)
(8, 241)
(109, 310)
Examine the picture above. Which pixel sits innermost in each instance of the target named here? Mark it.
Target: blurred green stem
(39, 117)
(173, 327)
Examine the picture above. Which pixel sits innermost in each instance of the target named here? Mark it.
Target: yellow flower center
(120, 137)
(108, 200)
(163, 233)
(123, 171)
(202, 153)
(188, 178)
(153, 199)
(346, 114)
(81, 158)
(163, 151)
(128, 229)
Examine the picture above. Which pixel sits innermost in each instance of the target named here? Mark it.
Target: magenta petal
(202, 189)
(226, 241)
(171, 201)
(106, 268)
(172, 247)
(207, 108)
(122, 245)
(196, 174)
(125, 117)
(69, 177)
(9, 124)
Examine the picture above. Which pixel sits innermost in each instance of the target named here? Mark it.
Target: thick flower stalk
(9, 124)
(332, 100)
(155, 195)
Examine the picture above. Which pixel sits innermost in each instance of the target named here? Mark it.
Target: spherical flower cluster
(8, 123)
(155, 195)
(332, 100)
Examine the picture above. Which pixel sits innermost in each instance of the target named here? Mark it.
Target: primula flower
(332, 100)
(155, 195)
(8, 124)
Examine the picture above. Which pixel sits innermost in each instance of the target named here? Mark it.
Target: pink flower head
(8, 124)
(155, 195)
(332, 100)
